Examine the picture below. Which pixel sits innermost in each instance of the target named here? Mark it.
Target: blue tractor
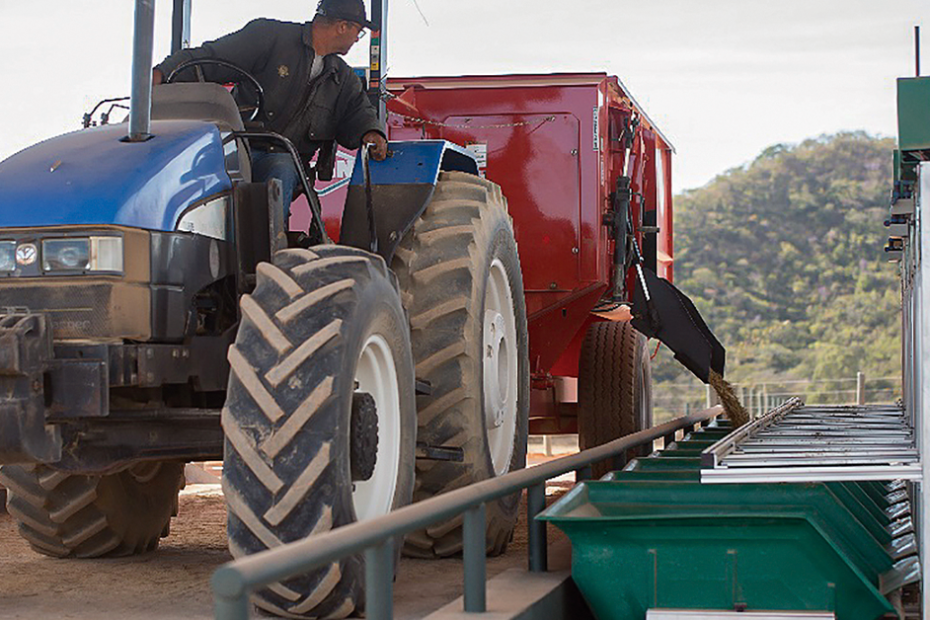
(152, 313)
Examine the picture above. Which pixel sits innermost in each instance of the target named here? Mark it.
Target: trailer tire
(76, 516)
(614, 386)
(461, 283)
(321, 326)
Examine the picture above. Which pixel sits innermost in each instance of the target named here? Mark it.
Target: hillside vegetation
(784, 259)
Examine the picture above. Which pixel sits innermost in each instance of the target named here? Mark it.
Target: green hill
(784, 259)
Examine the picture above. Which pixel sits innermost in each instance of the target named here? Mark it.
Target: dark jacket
(279, 56)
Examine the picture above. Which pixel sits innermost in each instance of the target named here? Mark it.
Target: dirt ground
(174, 581)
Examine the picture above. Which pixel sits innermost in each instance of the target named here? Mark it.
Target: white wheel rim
(376, 375)
(499, 352)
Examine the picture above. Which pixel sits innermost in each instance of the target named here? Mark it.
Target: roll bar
(140, 112)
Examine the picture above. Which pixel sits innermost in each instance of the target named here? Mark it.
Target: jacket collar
(330, 63)
(308, 34)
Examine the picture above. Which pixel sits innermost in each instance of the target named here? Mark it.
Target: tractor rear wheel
(614, 386)
(320, 416)
(461, 283)
(75, 516)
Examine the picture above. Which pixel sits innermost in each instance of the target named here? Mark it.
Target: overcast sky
(723, 79)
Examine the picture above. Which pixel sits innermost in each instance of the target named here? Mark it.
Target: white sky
(723, 79)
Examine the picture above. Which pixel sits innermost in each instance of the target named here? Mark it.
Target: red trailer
(557, 145)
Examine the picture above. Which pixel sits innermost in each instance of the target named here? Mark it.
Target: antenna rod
(181, 25)
(917, 48)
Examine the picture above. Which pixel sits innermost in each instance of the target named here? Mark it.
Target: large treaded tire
(443, 265)
(286, 472)
(75, 516)
(614, 386)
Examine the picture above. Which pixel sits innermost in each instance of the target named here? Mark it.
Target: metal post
(620, 461)
(584, 473)
(547, 445)
(475, 556)
(917, 48)
(709, 396)
(765, 398)
(537, 543)
(140, 111)
(379, 581)
(378, 49)
(231, 608)
(860, 388)
(231, 600)
(922, 359)
(181, 25)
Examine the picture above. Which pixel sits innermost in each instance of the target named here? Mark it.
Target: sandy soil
(174, 581)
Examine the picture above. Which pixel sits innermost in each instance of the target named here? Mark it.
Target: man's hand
(157, 77)
(379, 145)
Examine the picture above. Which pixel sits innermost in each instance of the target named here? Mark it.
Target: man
(312, 97)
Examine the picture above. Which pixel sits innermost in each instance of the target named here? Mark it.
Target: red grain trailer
(561, 147)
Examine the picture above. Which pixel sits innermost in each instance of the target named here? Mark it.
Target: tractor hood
(93, 177)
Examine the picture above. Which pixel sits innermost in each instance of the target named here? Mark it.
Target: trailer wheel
(460, 279)
(320, 416)
(74, 516)
(614, 386)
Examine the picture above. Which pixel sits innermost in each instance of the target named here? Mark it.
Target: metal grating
(817, 443)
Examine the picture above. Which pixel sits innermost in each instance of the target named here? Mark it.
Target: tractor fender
(401, 187)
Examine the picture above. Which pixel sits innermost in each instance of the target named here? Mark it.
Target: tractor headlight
(66, 254)
(7, 256)
(102, 254)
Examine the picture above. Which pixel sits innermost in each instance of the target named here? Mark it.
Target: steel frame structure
(915, 280)
(794, 443)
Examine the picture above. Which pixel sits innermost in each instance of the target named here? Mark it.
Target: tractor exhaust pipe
(140, 108)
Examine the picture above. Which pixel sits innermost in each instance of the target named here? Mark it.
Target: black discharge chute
(663, 312)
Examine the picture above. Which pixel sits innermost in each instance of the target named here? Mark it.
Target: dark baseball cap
(349, 10)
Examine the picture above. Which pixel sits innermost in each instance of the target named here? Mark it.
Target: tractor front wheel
(320, 417)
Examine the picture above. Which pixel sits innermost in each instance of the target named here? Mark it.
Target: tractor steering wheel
(259, 105)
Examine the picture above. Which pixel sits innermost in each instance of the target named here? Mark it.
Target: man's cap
(348, 10)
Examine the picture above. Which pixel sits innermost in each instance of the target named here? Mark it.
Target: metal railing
(233, 582)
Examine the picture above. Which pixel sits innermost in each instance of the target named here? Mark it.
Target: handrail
(712, 456)
(233, 581)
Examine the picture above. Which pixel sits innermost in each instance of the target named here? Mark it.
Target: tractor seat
(201, 101)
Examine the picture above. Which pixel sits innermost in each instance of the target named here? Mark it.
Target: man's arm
(359, 122)
(247, 48)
